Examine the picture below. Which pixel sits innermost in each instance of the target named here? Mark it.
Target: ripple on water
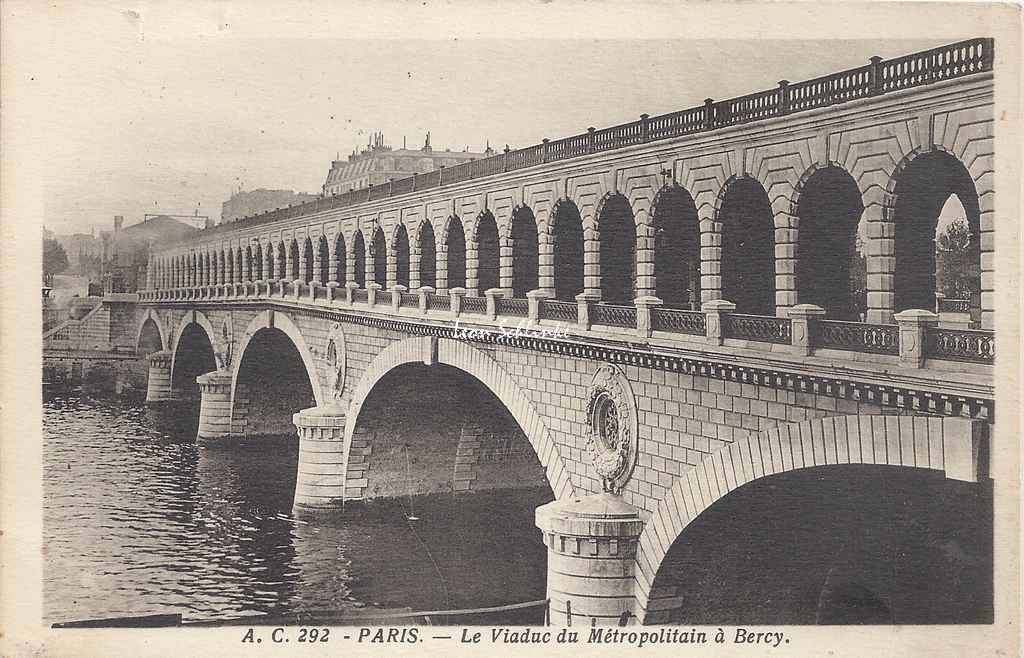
(140, 520)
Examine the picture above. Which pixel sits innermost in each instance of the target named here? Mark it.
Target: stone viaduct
(661, 313)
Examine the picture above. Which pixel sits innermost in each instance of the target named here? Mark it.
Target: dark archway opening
(445, 449)
(618, 251)
(831, 270)
(401, 247)
(525, 253)
(568, 239)
(359, 258)
(149, 339)
(677, 249)
(922, 190)
(456, 243)
(282, 262)
(341, 255)
(271, 385)
(748, 248)
(428, 256)
(380, 257)
(193, 357)
(488, 261)
(293, 257)
(307, 261)
(838, 545)
(324, 255)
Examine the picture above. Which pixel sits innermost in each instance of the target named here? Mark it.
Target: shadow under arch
(486, 371)
(152, 321)
(920, 458)
(270, 319)
(192, 353)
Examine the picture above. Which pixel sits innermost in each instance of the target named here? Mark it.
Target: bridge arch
(339, 268)
(426, 245)
(453, 239)
(676, 247)
(485, 238)
(831, 242)
(525, 251)
(617, 231)
(921, 183)
(953, 446)
(379, 256)
(399, 258)
(150, 328)
(566, 226)
(746, 223)
(281, 322)
(192, 351)
(359, 258)
(482, 368)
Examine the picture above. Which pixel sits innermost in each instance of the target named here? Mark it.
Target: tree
(55, 260)
(956, 276)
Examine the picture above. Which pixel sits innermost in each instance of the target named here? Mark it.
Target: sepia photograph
(393, 325)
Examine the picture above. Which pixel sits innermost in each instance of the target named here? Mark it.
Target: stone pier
(215, 405)
(591, 555)
(320, 482)
(158, 388)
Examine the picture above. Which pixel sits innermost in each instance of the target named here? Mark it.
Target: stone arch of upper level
(487, 371)
(954, 446)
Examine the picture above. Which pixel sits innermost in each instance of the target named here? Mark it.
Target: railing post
(504, 160)
(544, 149)
(645, 127)
(714, 310)
(783, 96)
(534, 299)
(423, 291)
(414, 174)
(709, 113)
(332, 290)
(372, 289)
(590, 139)
(396, 296)
(584, 302)
(493, 295)
(988, 54)
(455, 296)
(939, 298)
(350, 292)
(876, 75)
(914, 323)
(644, 307)
(800, 317)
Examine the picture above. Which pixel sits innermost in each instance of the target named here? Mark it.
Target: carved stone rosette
(335, 360)
(612, 425)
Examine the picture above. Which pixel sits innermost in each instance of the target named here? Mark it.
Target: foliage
(55, 260)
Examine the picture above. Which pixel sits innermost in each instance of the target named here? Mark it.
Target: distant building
(83, 250)
(378, 163)
(243, 204)
(126, 250)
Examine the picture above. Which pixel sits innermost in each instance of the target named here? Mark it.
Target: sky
(174, 122)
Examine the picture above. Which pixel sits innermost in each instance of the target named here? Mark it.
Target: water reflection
(140, 520)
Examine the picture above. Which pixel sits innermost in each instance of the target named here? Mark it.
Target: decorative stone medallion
(612, 424)
(335, 358)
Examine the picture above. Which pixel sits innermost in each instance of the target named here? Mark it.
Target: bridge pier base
(592, 545)
(158, 382)
(214, 406)
(320, 482)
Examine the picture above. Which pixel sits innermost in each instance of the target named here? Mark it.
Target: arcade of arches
(831, 257)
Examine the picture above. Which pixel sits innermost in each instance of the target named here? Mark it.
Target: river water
(140, 520)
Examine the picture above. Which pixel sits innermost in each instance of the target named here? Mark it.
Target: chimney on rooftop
(118, 222)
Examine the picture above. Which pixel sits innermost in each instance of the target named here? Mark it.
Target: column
(591, 263)
(214, 406)
(786, 245)
(158, 383)
(710, 259)
(320, 482)
(645, 282)
(546, 263)
(592, 545)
